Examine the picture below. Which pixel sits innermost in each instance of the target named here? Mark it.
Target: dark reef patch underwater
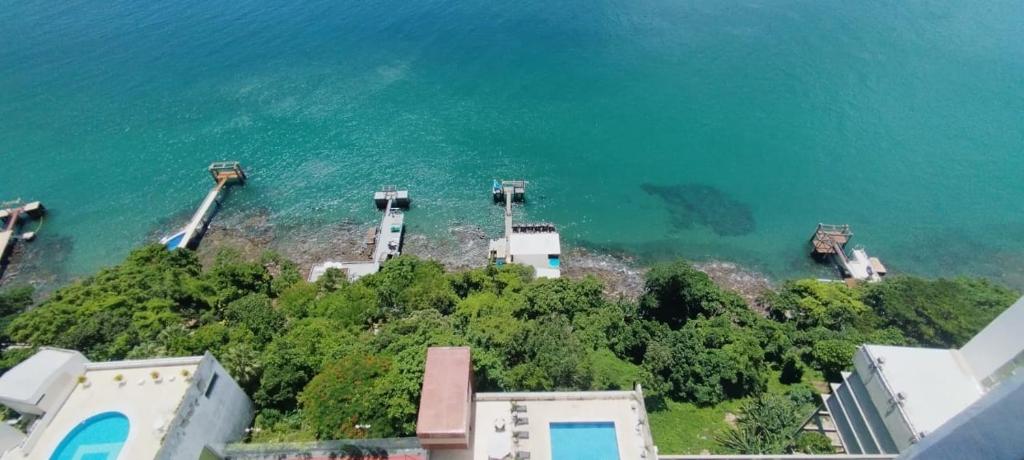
(699, 204)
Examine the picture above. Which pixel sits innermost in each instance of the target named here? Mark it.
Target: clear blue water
(584, 441)
(99, 437)
(660, 128)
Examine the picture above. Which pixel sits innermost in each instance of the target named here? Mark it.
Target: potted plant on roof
(156, 376)
(186, 375)
(82, 380)
(119, 378)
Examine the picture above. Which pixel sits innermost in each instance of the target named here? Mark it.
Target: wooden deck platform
(828, 239)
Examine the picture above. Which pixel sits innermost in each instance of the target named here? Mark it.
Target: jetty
(12, 216)
(828, 244)
(224, 174)
(385, 239)
(537, 244)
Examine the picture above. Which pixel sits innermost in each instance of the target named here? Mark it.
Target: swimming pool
(99, 437)
(584, 441)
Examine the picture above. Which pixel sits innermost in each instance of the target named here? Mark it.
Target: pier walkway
(224, 173)
(536, 245)
(386, 239)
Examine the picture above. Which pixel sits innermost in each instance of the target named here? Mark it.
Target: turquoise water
(584, 441)
(99, 437)
(705, 129)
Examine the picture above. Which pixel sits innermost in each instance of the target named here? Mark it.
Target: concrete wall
(9, 437)
(1000, 342)
(990, 428)
(881, 398)
(204, 421)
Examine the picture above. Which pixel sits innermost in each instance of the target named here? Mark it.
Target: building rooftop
(26, 381)
(447, 391)
(935, 384)
(491, 410)
(535, 243)
(149, 404)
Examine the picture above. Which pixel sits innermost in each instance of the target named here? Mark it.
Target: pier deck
(224, 173)
(11, 219)
(386, 238)
(536, 245)
(829, 243)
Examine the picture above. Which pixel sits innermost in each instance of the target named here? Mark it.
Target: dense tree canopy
(339, 359)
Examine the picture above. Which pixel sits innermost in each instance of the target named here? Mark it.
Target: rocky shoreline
(464, 247)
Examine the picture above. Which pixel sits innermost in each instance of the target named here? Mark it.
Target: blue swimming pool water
(99, 437)
(584, 441)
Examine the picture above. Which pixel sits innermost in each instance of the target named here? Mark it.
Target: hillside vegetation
(320, 359)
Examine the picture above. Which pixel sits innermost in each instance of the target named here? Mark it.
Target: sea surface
(705, 129)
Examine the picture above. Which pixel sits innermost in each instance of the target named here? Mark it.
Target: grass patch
(685, 428)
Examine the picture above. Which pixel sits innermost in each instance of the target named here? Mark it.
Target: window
(209, 388)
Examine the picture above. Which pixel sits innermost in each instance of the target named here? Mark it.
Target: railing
(781, 457)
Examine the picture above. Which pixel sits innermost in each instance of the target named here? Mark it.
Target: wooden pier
(829, 243)
(12, 216)
(224, 174)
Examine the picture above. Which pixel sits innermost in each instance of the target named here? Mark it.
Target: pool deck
(149, 405)
(542, 409)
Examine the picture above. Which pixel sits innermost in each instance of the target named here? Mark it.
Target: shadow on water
(699, 204)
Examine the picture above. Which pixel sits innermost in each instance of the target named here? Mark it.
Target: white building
(167, 409)
(536, 245)
(898, 396)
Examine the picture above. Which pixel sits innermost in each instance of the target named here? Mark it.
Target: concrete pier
(224, 174)
(386, 239)
(536, 245)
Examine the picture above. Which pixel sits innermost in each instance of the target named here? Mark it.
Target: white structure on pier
(536, 245)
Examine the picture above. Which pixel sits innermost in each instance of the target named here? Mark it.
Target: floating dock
(537, 245)
(224, 174)
(386, 239)
(828, 243)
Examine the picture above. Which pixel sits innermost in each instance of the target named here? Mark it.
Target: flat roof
(937, 383)
(150, 406)
(445, 399)
(24, 381)
(541, 410)
(535, 243)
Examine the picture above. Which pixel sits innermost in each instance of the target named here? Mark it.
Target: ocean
(657, 129)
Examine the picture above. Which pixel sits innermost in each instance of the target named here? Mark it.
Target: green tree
(938, 313)
(676, 292)
(342, 399)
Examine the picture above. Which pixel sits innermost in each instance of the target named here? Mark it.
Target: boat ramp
(386, 239)
(537, 245)
(828, 243)
(225, 174)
